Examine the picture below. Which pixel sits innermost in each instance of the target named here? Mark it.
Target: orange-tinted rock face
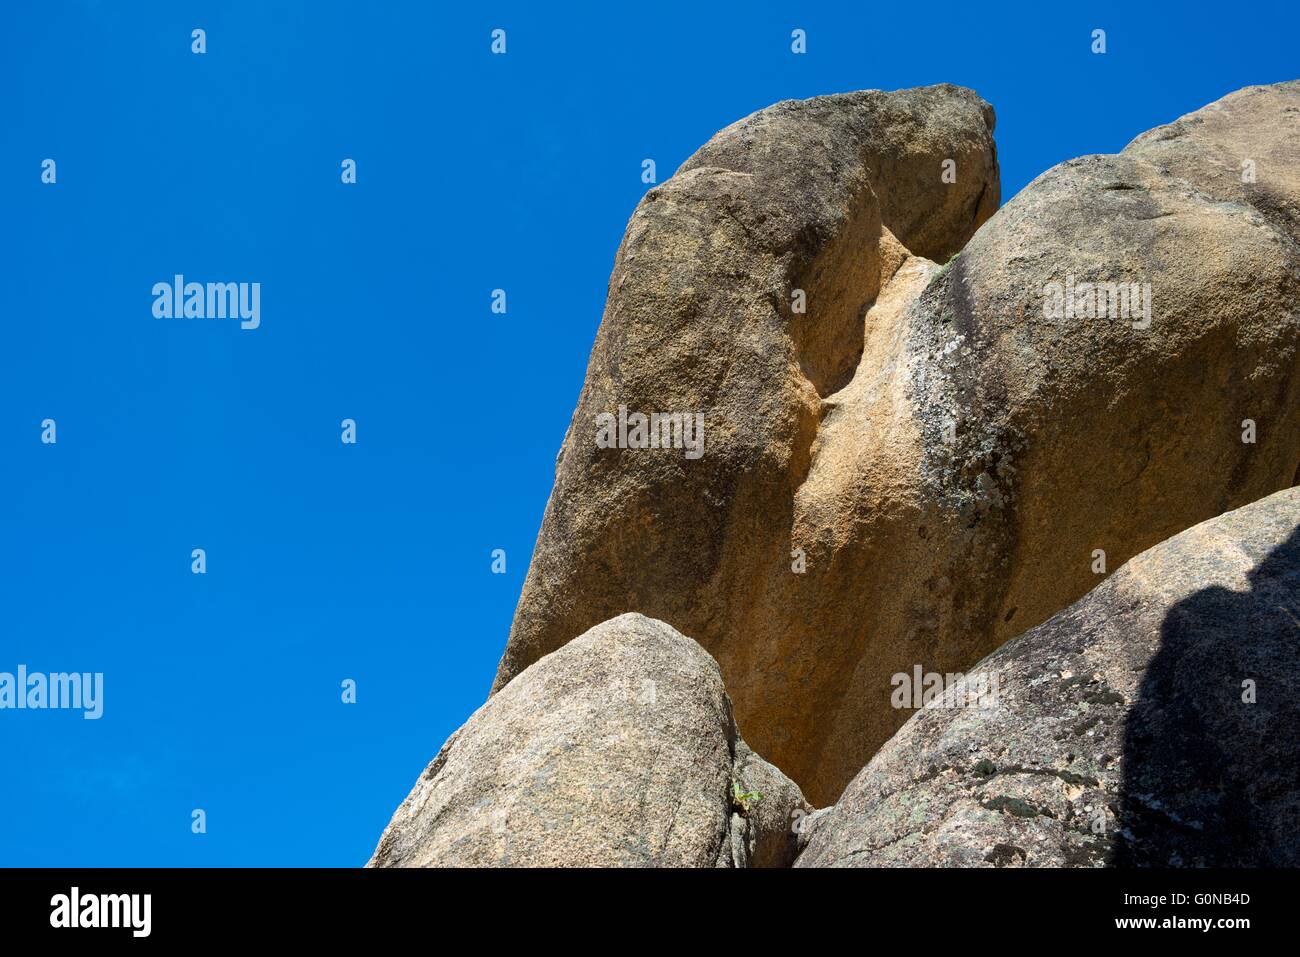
(907, 463)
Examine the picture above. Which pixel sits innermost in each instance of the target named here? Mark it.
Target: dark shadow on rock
(1209, 779)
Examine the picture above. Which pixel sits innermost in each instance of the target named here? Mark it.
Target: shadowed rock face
(1152, 723)
(618, 750)
(944, 457)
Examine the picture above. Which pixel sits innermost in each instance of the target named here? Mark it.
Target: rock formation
(1152, 723)
(619, 749)
(927, 429)
(910, 463)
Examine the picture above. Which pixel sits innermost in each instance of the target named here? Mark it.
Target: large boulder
(928, 460)
(618, 750)
(738, 294)
(1155, 722)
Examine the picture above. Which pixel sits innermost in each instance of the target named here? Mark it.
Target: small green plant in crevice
(742, 800)
(944, 267)
(941, 271)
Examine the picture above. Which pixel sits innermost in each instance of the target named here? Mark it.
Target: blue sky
(474, 172)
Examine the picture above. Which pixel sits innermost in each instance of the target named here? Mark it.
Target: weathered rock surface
(618, 750)
(921, 465)
(1155, 722)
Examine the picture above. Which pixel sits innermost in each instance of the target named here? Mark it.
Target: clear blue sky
(372, 562)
